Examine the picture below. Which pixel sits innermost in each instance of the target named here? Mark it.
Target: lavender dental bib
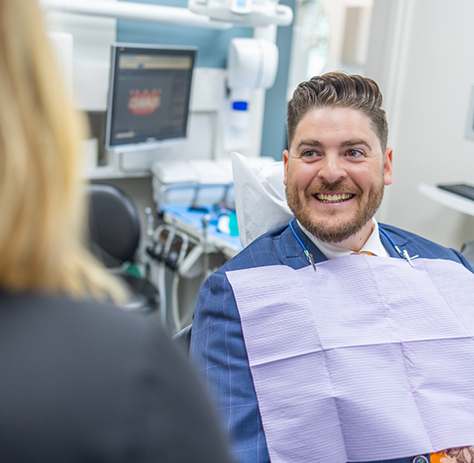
(365, 359)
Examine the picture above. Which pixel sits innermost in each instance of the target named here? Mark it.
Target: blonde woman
(80, 379)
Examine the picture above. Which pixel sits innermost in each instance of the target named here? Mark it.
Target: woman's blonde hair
(42, 210)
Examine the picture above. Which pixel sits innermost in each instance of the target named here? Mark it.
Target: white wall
(426, 71)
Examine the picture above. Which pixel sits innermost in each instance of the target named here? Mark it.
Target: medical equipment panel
(199, 233)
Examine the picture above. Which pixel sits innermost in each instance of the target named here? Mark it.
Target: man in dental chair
(333, 338)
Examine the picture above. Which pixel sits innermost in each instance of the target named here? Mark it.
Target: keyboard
(460, 189)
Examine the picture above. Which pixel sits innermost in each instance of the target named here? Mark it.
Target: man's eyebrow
(354, 142)
(316, 143)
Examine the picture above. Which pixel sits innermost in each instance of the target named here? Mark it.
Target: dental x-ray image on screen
(149, 95)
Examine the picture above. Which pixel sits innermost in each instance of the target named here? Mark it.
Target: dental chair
(114, 237)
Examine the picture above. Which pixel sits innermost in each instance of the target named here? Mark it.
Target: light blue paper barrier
(364, 359)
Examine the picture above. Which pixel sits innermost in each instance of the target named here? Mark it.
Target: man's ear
(388, 166)
(286, 161)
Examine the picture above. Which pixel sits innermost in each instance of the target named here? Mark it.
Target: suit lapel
(399, 240)
(292, 253)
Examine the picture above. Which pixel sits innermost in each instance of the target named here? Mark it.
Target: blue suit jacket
(217, 345)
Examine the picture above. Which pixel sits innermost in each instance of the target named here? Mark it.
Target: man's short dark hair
(337, 89)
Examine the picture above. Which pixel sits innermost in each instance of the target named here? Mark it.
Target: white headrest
(260, 199)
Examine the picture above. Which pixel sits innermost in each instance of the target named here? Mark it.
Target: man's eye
(309, 155)
(354, 153)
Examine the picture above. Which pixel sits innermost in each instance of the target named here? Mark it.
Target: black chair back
(114, 236)
(114, 225)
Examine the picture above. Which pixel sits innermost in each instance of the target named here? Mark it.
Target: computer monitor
(149, 94)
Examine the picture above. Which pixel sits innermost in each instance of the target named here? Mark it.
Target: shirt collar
(373, 244)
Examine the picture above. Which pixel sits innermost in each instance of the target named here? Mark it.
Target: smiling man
(338, 171)
(317, 352)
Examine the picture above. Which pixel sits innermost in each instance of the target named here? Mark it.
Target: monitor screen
(149, 95)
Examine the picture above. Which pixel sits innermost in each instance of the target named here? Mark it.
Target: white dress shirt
(373, 244)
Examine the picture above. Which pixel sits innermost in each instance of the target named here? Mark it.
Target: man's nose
(332, 169)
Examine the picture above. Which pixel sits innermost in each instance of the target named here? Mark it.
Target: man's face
(335, 174)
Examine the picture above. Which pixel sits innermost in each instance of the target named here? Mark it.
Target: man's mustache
(340, 187)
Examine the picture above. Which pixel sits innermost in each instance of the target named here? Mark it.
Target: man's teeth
(333, 198)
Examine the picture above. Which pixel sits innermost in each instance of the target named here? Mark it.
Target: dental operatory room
(237, 231)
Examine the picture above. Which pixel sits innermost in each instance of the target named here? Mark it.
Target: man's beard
(342, 231)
